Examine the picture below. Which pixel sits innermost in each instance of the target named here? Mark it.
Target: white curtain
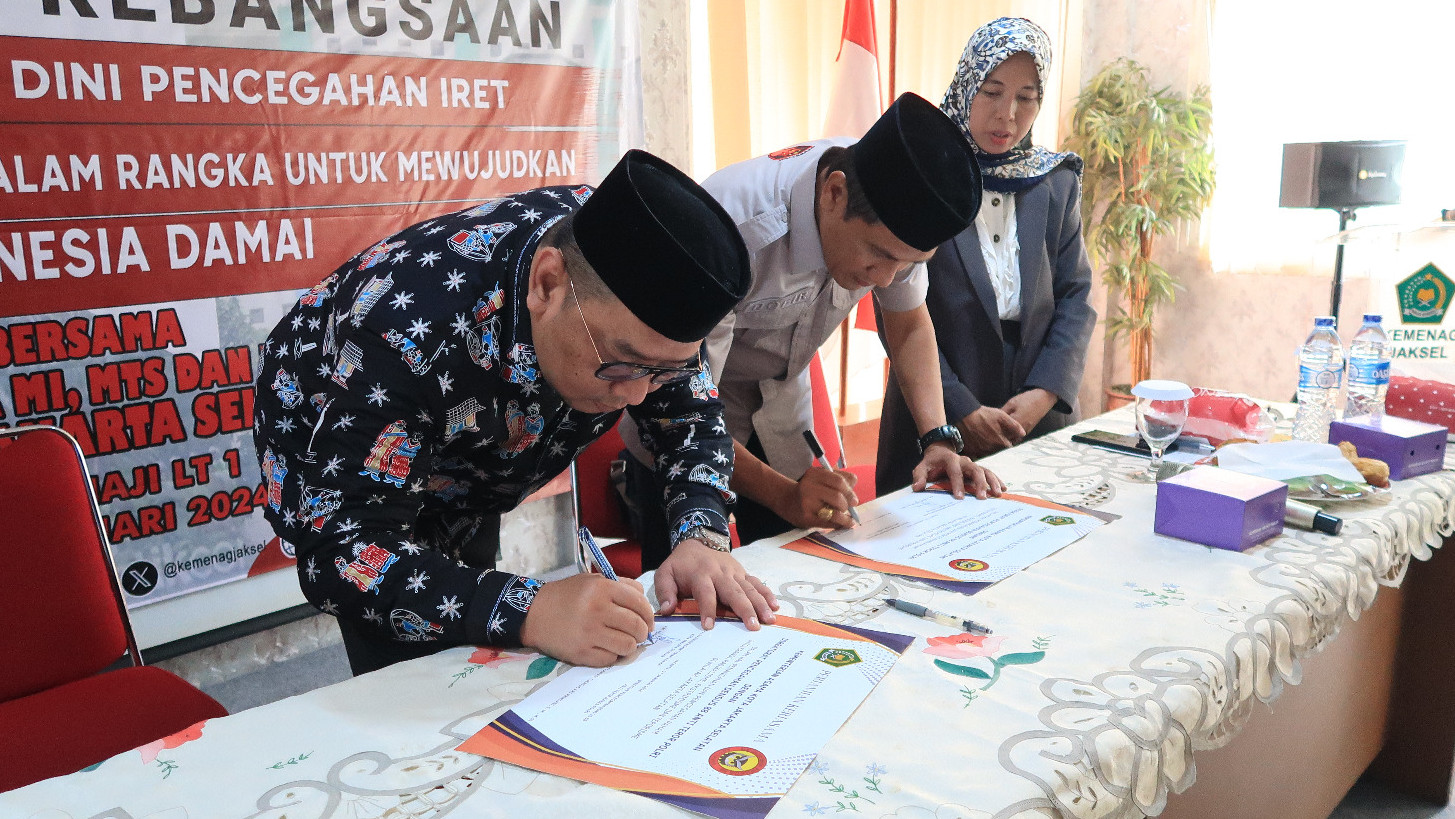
(1324, 71)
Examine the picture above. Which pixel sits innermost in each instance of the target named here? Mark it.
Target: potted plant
(1149, 164)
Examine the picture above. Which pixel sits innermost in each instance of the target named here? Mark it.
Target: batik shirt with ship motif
(400, 404)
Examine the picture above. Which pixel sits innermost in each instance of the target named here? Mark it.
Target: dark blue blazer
(1056, 323)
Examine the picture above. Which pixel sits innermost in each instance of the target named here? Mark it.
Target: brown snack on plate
(1375, 472)
(1348, 450)
(1236, 441)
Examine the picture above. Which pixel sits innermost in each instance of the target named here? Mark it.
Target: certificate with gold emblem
(719, 722)
(960, 545)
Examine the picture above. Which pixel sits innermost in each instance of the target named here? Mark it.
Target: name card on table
(1220, 507)
(1409, 447)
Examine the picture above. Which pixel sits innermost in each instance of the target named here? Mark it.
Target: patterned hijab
(1025, 164)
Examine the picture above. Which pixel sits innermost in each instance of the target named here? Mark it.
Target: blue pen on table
(584, 536)
(937, 616)
(817, 450)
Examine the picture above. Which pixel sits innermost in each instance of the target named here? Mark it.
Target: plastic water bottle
(1368, 369)
(1320, 371)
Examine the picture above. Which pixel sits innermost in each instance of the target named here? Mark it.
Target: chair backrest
(825, 421)
(599, 508)
(826, 427)
(68, 620)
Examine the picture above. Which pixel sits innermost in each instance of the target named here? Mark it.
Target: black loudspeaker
(1341, 175)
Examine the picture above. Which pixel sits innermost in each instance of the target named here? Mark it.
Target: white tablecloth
(1113, 662)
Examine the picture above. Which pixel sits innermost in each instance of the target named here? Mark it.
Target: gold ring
(826, 513)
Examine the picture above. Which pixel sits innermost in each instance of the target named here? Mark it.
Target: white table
(1156, 653)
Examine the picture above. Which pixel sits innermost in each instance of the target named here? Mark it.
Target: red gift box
(1420, 399)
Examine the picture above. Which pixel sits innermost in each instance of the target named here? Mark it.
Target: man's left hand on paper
(710, 577)
(941, 463)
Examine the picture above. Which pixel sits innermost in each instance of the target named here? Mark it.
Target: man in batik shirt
(450, 370)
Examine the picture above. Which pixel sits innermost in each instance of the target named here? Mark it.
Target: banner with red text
(175, 172)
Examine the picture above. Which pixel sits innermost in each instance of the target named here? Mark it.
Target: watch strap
(711, 537)
(946, 433)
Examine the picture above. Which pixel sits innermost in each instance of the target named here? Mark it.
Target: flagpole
(850, 113)
(893, 93)
(893, 43)
(844, 334)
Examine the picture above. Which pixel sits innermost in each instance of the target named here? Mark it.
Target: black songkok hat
(918, 173)
(663, 246)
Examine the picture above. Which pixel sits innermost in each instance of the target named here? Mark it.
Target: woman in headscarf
(1008, 296)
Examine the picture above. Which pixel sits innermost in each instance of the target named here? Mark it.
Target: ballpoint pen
(817, 450)
(584, 536)
(938, 616)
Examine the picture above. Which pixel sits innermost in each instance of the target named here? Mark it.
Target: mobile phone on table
(1127, 444)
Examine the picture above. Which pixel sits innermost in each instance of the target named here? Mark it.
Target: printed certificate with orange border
(959, 545)
(719, 722)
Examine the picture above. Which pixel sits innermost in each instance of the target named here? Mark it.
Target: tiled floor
(305, 672)
(1370, 800)
(1367, 800)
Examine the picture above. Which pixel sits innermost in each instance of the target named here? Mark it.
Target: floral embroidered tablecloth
(1112, 662)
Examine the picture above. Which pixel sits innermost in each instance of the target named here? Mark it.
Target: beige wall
(1227, 330)
(662, 27)
(1230, 331)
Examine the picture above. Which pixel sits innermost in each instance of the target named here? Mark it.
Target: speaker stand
(1346, 215)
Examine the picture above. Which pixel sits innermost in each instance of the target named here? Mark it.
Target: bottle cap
(1324, 321)
(1373, 318)
(1162, 390)
(1327, 523)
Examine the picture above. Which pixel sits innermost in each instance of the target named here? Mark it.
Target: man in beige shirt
(825, 222)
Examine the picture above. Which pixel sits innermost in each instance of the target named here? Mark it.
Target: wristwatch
(948, 434)
(713, 538)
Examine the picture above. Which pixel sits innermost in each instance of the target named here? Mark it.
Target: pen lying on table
(817, 450)
(938, 616)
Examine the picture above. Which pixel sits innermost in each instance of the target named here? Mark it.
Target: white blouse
(995, 225)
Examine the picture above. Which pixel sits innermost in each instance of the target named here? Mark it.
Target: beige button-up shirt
(760, 353)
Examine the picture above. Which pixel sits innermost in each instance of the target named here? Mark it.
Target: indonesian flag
(856, 100)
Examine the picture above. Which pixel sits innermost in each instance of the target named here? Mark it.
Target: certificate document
(961, 545)
(719, 722)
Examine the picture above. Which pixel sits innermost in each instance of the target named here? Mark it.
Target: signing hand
(820, 488)
(1029, 407)
(940, 462)
(710, 577)
(989, 430)
(588, 620)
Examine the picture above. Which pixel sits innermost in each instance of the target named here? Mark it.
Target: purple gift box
(1220, 507)
(1409, 447)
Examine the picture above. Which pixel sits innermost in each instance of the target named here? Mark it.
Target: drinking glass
(1161, 412)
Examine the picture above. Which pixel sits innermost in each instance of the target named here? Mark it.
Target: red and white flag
(856, 100)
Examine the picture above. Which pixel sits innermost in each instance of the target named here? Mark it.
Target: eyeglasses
(629, 371)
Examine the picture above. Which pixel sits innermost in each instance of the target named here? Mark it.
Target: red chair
(61, 710)
(826, 427)
(598, 507)
(600, 510)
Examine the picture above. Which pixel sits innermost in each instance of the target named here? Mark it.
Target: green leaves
(540, 667)
(962, 670)
(1149, 165)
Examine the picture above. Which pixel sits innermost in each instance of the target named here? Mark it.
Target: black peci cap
(663, 246)
(918, 173)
